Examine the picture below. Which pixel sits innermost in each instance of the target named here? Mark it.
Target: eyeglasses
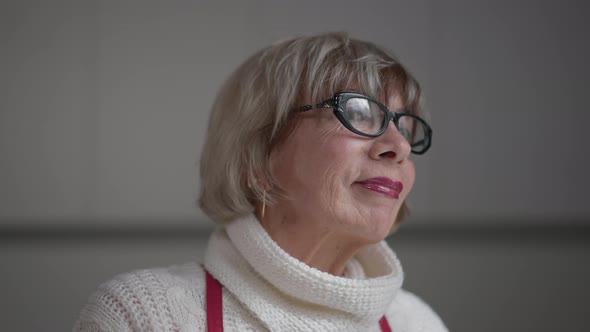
(368, 117)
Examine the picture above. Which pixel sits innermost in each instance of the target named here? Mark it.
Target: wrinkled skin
(328, 216)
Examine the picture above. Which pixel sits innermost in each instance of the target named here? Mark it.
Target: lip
(383, 185)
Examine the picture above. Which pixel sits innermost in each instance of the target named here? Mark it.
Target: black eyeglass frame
(338, 102)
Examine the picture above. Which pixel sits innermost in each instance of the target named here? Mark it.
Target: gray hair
(252, 111)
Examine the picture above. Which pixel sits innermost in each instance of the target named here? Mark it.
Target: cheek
(333, 183)
(318, 169)
(338, 159)
(317, 163)
(340, 165)
(327, 172)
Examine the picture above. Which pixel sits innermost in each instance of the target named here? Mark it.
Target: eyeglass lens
(369, 118)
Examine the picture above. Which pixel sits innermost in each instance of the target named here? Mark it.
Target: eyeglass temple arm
(324, 104)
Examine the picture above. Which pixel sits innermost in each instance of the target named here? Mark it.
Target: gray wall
(103, 107)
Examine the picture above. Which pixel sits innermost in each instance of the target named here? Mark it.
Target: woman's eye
(405, 133)
(358, 110)
(358, 115)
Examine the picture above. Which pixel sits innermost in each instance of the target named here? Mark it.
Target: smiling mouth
(383, 185)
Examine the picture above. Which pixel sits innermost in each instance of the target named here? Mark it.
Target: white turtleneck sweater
(264, 289)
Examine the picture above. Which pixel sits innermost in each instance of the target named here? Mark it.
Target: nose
(391, 145)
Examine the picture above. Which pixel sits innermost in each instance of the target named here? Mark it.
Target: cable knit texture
(264, 289)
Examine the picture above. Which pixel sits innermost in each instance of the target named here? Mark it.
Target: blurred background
(104, 106)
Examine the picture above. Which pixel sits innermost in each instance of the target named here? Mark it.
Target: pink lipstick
(384, 186)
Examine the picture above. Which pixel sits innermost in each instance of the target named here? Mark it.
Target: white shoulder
(158, 299)
(409, 313)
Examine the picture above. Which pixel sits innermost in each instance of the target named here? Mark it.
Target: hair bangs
(358, 66)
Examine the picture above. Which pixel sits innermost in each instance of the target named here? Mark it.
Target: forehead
(394, 102)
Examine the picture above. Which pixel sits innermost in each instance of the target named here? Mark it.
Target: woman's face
(339, 182)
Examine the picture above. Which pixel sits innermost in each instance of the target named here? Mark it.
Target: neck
(305, 240)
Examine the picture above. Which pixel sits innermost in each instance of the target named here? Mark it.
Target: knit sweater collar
(245, 259)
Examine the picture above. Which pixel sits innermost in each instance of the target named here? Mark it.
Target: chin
(381, 226)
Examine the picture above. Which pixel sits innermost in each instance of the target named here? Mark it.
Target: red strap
(384, 324)
(214, 304)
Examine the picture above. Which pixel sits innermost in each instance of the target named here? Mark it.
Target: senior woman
(306, 168)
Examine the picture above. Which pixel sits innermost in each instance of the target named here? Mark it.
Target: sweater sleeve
(129, 302)
(105, 311)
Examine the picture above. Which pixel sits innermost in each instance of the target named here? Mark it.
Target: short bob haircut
(253, 112)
